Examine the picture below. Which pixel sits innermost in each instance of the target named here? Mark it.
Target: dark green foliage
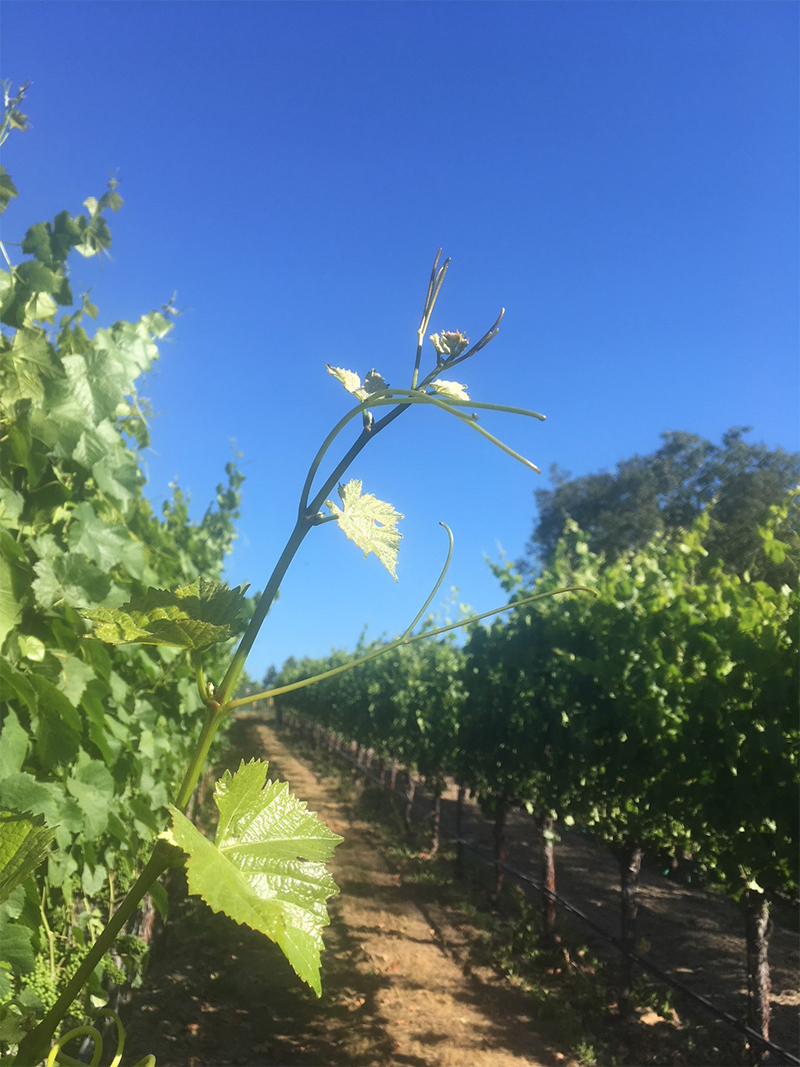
(93, 738)
(404, 703)
(665, 491)
(663, 712)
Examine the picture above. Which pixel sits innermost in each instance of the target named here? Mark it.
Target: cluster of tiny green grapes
(127, 871)
(134, 954)
(75, 956)
(41, 983)
(46, 986)
(113, 973)
(128, 945)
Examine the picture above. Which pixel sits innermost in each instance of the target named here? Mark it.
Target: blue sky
(621, 177)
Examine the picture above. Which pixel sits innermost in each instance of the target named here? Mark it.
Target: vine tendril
(57, 1056)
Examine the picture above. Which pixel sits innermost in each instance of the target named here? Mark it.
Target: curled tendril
(58, 1056)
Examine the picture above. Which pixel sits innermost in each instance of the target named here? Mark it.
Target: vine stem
(302, 526)
(34, 1046)
(402, 399)
(404, 640)
(214, 715)
(51, 937)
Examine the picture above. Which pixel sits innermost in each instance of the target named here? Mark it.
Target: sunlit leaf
(453, 390)
(266, 867)
(373, 383)
(192, 616)
(370, 522)
(349, 379)
(24, 843)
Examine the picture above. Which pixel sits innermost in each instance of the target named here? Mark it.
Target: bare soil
(394, 992)
(402, 982)
(695, 935)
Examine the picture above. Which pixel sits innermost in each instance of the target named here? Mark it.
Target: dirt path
(693, 934)
(394, 992)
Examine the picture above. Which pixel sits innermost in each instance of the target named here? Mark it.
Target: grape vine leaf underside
(372, 384)
(266, 867)
(24, 843)
(370, 522)
(192, 616)
(450, 390)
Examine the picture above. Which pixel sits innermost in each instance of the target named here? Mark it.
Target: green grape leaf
(15, 685)
(10, 607)
(31, 648)
(7, 190)
(13, 745)
(22, 792)
(451, 390)
(24, 844)
(25, 366)
(92, 787)
(38, 277)
(39, 308)
(11, 505)
(373, 383)
(120, 479)
(16, 939)
(105, 545)
(370, 522)
(71, 578)
(266, 867)
(59, 726)
(50, 243)
(75, 675)
(192, 616)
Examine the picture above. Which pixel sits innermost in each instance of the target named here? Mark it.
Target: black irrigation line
(642, 961)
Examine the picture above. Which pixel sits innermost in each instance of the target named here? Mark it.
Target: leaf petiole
(400, 399)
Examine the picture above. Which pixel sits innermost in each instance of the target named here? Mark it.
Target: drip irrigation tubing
(752, 1036)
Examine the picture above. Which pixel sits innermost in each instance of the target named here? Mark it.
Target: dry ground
(394, 992)
(402, 984)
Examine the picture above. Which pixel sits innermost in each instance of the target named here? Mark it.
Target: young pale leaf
(373, 383)
(266, 867)
(453, 390)
(449, 344)
(192, 616)
(349, 379)
(24, 844)
(370, 523)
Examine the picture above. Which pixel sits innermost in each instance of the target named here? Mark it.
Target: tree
(663, 492)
